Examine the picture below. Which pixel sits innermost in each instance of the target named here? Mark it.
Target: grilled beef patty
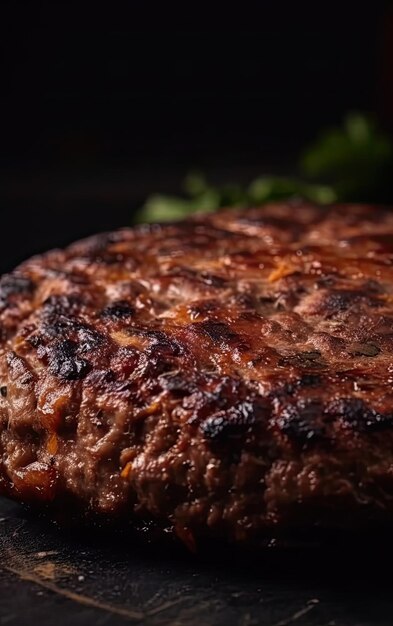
(229, 375)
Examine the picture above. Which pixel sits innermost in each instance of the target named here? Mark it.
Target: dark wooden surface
(55, 577)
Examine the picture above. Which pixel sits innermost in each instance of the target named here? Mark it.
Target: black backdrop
(101, 107)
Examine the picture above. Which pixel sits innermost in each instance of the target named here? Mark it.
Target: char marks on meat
(230, 375)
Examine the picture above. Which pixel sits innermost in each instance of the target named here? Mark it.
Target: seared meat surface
(230, 375)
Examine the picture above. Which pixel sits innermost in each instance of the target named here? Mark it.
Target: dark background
(103, 106)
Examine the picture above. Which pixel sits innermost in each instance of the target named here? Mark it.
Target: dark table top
(54, 576)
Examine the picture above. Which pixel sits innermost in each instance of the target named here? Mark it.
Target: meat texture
(227, 376)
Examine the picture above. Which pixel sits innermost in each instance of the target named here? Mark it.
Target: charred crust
(233, 423)
(11, 284)
(299, 422)
(59, 318)
(59, 315)
(102, 378)
(89, 339)
(290, 388)
(64, 304)
(165, 347)
(118, 311)
(217, 332)
(311, 359)
(14, 285)
(356, 414)
(177, 384)
(335, 302)
(206, 307)
(64, 362)
(332, 303)
(212, 393)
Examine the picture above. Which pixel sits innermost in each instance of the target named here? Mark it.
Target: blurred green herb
(351, 163)
(356, 160)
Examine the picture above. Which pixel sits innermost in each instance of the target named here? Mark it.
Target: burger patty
(228, 376)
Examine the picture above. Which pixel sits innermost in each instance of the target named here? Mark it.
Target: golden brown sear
(229, 375)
